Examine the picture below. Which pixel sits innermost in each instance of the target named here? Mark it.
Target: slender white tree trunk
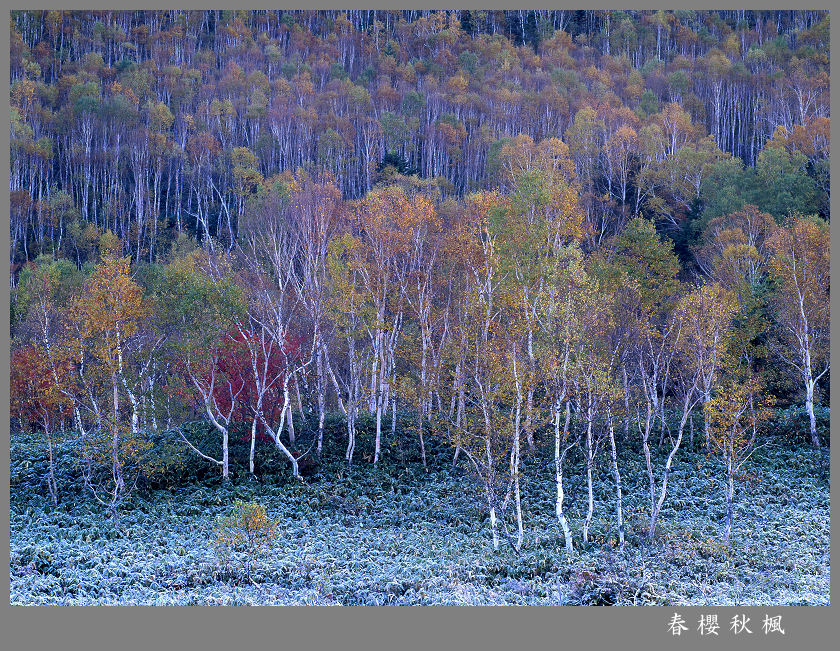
(275, 435)
(290, 423)
(590, 459)
(51, 479)
(490, 480)
(379, 355)
(494, 528)
(515, 460)
(529, 409)
(809, 407)
(667, 474)
(225, 455)
(322, 399)
(618, 507)
(648, 462)
(253, 445)
(460, 410)
(558, 473)
(730, 492)
(378, 429)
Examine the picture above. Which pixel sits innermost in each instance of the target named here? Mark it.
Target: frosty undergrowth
(400, 536)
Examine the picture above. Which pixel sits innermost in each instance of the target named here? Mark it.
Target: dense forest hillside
(567, 270)
(152, 123)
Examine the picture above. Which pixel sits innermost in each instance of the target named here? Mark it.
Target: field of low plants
(396, 535)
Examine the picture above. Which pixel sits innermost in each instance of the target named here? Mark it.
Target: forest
(419, 307)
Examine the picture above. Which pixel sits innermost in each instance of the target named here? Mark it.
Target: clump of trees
(599, 294)
(488, 318)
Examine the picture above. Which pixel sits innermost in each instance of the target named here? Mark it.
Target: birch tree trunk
(322, 398)
(529, 410)
(618, 507)
(493, 526)
(809, 407)
(590, 459)
(515, 461)
(686, 415)
(648, 462)
(53, 485)
(730, 492)
(276, 434)
(558, 472)
(379, 371)
(253, 444)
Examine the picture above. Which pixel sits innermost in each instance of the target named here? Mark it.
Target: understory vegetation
(396, 535)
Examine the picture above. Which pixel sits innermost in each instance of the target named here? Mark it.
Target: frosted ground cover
(403, 537)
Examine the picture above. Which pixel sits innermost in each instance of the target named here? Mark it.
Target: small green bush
(248, 531)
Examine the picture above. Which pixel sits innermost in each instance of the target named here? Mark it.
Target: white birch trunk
(686, 415)
(590, 458)
(558, 473)
(618, 507)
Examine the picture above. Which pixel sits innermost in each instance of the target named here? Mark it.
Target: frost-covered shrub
(247, 531)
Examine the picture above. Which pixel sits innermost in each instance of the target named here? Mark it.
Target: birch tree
(735, 414)
(560, 323)
(801, 268)
(104, 340)
(203, 304)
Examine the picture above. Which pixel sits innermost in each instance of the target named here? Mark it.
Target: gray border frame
(373, 628)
